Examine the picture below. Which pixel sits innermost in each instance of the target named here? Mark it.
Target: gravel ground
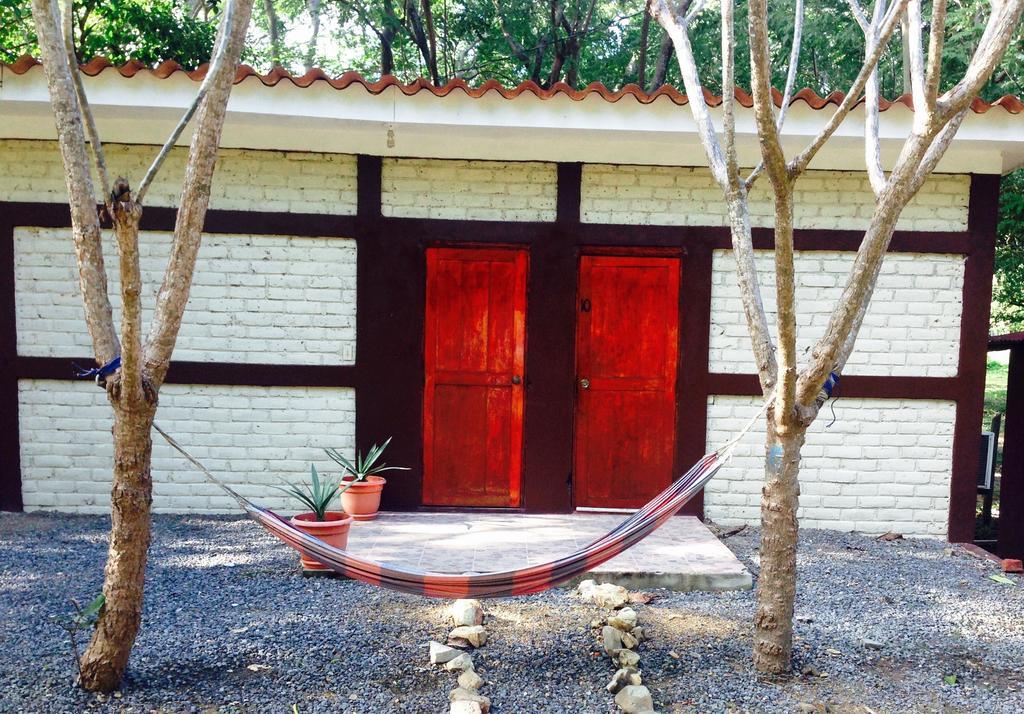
(230, 626)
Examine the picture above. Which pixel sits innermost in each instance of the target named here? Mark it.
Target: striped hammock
(523, 581)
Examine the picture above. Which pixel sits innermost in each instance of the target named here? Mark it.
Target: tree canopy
(573, 41)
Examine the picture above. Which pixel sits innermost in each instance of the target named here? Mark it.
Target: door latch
(516, 379)
(585, 305)
(584, 383)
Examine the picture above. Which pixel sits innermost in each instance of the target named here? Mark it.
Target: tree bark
(105, 660)
(132, 391)
(314, 18)
(195, 199)
(665, 51)
(78, 178)
(776, 585)
(274, 28)
(641, 63)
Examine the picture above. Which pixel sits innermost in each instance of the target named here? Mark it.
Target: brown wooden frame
(388, 372)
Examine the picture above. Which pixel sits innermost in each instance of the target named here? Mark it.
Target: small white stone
(470, 680)
(467, 612)
(624, 619)
(605, 595)
(634, 699)
(475, 635)
(460, 694)
(462, 663)
(628, 658)
(628, 641)
(611, 640)
(464, 706)
(623, 678)
(439, 654)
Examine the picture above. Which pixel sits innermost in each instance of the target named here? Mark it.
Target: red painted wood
(627, 347)
(474, 350)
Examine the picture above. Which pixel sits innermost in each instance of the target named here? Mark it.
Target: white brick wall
(475, 190)
(244, 180)
(912, 327)
(252, 437)
(884, 465)
(255, 299)
(678, 196)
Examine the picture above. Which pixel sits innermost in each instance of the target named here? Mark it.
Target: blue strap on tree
(100, 374)
(831, 382)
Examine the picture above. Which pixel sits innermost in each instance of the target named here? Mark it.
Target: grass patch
(995, 390)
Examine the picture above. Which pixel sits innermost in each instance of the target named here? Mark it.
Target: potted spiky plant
(362, 484)
(329, 526)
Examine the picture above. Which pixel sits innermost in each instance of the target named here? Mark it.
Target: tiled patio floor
(681, 555)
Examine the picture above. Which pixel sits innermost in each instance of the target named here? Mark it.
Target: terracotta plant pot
(333, 531)
(362, 499)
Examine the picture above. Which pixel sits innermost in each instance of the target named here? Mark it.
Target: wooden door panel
(627, 464)
(627, 335)
(627, 351)
(474, 353)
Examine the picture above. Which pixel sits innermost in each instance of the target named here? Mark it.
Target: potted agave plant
(362, 484)
(329, 526)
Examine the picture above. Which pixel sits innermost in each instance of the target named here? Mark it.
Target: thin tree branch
(729, 93)
(645, 32)
(83, 102)
(872, 144)
(916, 52)
(800, 162)
(930, 161)
(735, 193)
(675, 27)
(204, 88)
(126, 215)
(697, 9)
(78, 178)
(665, 50)
(858, 14)
(787, 94)
(794, 63)
(936, 39)
(782, 187)
(195, 194)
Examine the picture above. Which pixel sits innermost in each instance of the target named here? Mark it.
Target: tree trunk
(776, 585)
(665, 52)
(314, 18)
(106, 658)
(641, 62)
(274, 27)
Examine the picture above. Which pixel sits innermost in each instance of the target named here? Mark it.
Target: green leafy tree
(1008, 291)
(149, 31)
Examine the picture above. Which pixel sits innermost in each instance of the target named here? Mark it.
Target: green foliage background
(472, 44)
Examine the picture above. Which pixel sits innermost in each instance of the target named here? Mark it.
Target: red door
(627, 344)
(474, 355)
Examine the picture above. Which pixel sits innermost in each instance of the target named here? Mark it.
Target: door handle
(584, 384)
(516, 379)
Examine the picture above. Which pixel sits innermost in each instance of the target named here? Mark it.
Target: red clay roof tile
(95, 66)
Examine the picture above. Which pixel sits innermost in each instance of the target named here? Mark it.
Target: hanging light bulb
(391, 136)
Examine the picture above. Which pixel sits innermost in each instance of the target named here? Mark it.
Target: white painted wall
(254, 299)
(680, 196)
(912, 327)
(251, 437)
(474, 190)
(245, 180)
(883, 465)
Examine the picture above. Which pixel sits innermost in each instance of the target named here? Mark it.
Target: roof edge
(94, 67)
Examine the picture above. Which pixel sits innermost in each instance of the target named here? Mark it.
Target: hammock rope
(522, 581)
